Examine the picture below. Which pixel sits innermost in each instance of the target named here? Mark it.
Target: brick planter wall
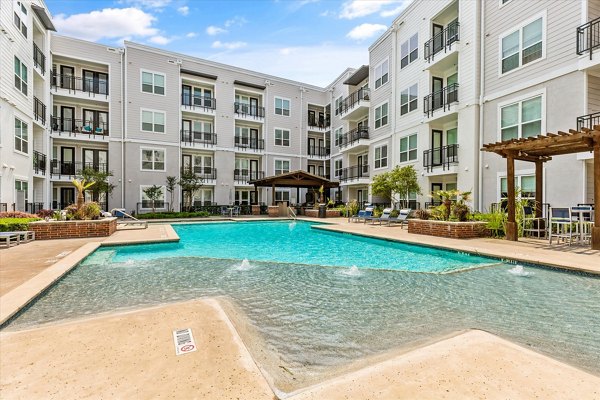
(312, 213)
(73, 229)
(454, 230)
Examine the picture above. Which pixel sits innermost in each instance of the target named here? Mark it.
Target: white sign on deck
(184, 341)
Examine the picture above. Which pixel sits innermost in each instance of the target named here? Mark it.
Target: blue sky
(312, 41)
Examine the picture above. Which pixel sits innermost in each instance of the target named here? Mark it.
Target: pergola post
(539, 179)
(273, 195)
(596, 228)
(511, 226)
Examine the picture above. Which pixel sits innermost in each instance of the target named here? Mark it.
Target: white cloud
(361, 8)
(235, 21)
(215, 30)
(185, 10)
(285, 51)
(106, 23)
(228, 45)
(147, 3)
(159, 39)
(366, 31)
(191, 34)
(393, 12)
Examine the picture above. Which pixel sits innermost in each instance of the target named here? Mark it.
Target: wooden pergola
(294, 179)
(540, 149)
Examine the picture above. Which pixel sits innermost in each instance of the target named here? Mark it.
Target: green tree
(189, 183)
(396, 184)
(153, 193)
(101, 186)
(81, 185)
(171, 185)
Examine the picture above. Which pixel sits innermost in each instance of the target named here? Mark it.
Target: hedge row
(15, 224)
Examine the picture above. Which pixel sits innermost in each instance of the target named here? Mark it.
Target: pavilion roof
(299, 178)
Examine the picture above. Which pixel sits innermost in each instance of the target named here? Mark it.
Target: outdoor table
(580, 213)
(230, 211)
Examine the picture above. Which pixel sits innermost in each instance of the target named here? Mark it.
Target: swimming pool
(314, 318)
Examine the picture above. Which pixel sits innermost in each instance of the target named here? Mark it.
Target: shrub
(90, 210)
(16, 214)
(45, 213)
(394, 213)
(15, 224)
(460, 211)
(423, 214)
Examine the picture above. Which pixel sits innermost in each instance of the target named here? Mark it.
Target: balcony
(74, 85)
(243, 176)
(353, 173)
(193, 138)
(352, 137)
(588, 121)
(39, 59)
(588, 37)
(442, 41)
(318, 151)
(440, 157)
(442, 99)
(39, 163)
(74, 127)
(205, 173)
(191, 102)
(72, 169)
(319, 124)
(247, 111)
(355, 105)
(39, 111)
(242, 142)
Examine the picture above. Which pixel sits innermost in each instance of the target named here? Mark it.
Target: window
(382, 74)
(20, 76)
(282, 195)
(21, 136)
(408, 148)
(153, 160)
(338, 135)
(153, 83)
(526, 183)
(337, 167)
(282, 167)
(282, 137)
(381, 115)
(147, 203)
(153, 121)
(20, 17)
(522, 46)
(242, 197)
(409, 50)
(282, 106)
(203, 197)
(23, 186)
(338, 105)
(522, 119)
(408, 99)
(381, 156)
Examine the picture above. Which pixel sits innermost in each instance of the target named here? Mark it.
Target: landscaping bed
(449, 229)
(73, 229)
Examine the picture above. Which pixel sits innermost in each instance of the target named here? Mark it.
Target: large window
(153, 121)
(282, 195)
(153, 160)
(20, 76)
(282, 137)
(522, 119)
(203, 197)
(381, 115)
(153, 83)
(21, 136)
(408, 148)
(23, 186)
(147, 203)
(526, 184)
(242, 197)
(337, 167)
(282, 106)
(338, 133)
(523, 46)
(409, 50)
(282, 167)
(20, 17)
(408, 99)
(381, 156)
(338, 105)
(382, 73)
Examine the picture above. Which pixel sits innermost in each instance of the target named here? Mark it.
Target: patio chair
(368, 213)
(236, 211)
(8, 239)
(25, 236)
(532, 224)
(224, 211)
(385, 216)
(562, 225)
(401, 219)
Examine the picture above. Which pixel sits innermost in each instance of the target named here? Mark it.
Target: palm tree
(81, 186)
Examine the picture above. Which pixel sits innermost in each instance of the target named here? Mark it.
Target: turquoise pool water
(316, 318)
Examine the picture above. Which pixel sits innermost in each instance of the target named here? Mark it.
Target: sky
(311, 41)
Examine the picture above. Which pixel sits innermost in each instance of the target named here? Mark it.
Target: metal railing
(193, 101)
(145, 206)
(192, 137)
(354, 135)
(247, 109)
(215, 209)
(362, 94)
(3, 207)
(39, 59)
(318, 151)
(588, 121)
(74, 126)
(245, 176)
(440, 99)
(206, 173)
(71, 169)
(76, 84)
(249, 143)
(588, 37)
(412, 204)
(320, 122)
(354, 172)
(440, 156)
(33, 208)
(39, 163)
(442, 41)
(494, 207)
(39, 110)
(61, 206)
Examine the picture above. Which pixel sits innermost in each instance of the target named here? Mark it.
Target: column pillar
(596, 228)
(539, 179)
(511, 225)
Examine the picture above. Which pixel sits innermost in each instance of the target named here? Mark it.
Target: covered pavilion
(294, 179)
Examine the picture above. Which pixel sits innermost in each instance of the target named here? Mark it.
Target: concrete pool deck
(470, 365)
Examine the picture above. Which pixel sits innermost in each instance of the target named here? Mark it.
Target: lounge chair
(25, 236)
(385, 216)
(401, 219)
(8, 239)
(362, 214)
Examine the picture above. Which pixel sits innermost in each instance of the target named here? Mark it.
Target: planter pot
(45, 230)
(312, 213)
(454, 230)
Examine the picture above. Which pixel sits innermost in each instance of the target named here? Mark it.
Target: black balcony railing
(440, 99)
(588, 37)
(202, 102)
(318, 151)
(39, 163)
(440, 157)
(245, 175)
(206, 173)
(353, 136)
(320, 122)
(39, 59)
(354, 99)
(196, 137)
(249, 110)
(39, 110)
(354, 172)
(145, 206)
(442, 41)
(249, 143)
(76, 126)
(588, 121)
(76, 84)
(214, 208)
(3, 207)
(71, 169)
